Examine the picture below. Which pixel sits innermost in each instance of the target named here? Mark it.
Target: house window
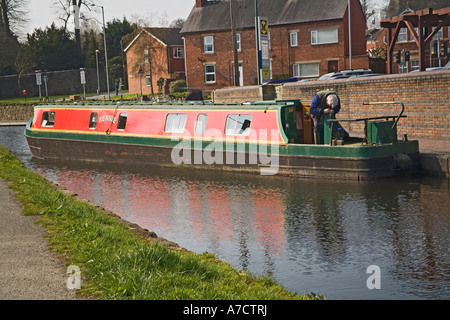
(148, 80)
(324, 36)
(306, 70)
(210, 73)
(178, 53)
(438, 35)
(200, 124)
(48, 119)
(415, 65)
(238, 42)
(175, 123)
(93, 120)
(238, 124)
(208, 44)
(293, 38)
(122, 123)
(402, 35)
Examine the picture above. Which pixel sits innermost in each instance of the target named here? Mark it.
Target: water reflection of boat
(267, 137)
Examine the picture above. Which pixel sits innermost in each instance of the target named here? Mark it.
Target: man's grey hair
(332, 100)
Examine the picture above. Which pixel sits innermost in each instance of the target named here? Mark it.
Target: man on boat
(324, 102)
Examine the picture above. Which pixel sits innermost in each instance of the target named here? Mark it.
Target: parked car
(447, 66)
(343, 74)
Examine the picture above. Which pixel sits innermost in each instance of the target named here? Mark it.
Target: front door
(241, 75)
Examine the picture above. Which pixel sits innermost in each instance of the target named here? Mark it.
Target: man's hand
(328, 111)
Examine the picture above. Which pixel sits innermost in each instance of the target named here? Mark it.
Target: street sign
(83, 76)
(264, 49)
(38, 78)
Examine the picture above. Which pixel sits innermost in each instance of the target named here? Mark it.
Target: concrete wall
(426, 96)
(59, 83)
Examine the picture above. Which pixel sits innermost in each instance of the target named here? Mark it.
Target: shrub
(177, 86)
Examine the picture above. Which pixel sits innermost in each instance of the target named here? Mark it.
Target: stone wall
(16, 113)
(426, 96)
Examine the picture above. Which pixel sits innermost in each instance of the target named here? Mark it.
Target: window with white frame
(438, 35)
(306, 70)
(324, 36)
(238, 42)
(178, 53)
(210, 73)
(208, 44)
(415, 65)
(402, 35)
(293, 36)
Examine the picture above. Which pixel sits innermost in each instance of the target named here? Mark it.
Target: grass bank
(118, 263)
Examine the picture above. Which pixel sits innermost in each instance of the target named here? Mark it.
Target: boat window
(175, 123)
(121, 124)
(93, 120)
(238, 124)
(200, 125)
(48, 119)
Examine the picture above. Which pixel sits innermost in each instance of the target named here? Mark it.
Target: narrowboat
(268, 138)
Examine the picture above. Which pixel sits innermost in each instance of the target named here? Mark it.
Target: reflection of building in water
(314, 228)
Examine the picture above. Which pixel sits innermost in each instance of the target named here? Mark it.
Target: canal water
(386, 239)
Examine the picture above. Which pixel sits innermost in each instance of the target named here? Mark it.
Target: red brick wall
(426, 97)
(161, 66)
(282, 55)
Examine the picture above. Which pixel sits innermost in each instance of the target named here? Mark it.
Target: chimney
(200, 3)
(204, 3)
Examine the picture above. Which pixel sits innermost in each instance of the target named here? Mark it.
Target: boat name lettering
(107, 118)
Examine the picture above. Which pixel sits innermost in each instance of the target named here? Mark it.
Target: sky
(41, 13)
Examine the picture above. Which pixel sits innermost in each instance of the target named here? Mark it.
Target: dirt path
(28, 269)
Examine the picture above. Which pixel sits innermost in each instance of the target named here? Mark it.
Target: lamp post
(350, 33)
(258, 53)
(98, 77)
(106, 51)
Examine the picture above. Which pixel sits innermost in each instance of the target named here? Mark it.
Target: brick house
(153, 54)
(308, 38)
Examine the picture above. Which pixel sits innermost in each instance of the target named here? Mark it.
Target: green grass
(116, 263)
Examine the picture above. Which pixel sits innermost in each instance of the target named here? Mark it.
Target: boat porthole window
(175, 123)
(93, 120)
(200, 124)
(48, 119)
(238, 124)
(122, 121)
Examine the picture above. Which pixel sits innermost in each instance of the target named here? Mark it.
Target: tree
(8, 51)
(115, 31)
(12, 16)
(89, 47)
(68, 8)
(53, 49)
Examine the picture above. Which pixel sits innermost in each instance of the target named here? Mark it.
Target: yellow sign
(266, 73)
(263, 27)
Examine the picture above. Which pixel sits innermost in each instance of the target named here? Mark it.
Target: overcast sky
(41, 13)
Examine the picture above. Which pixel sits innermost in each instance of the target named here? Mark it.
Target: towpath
(29, 270)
